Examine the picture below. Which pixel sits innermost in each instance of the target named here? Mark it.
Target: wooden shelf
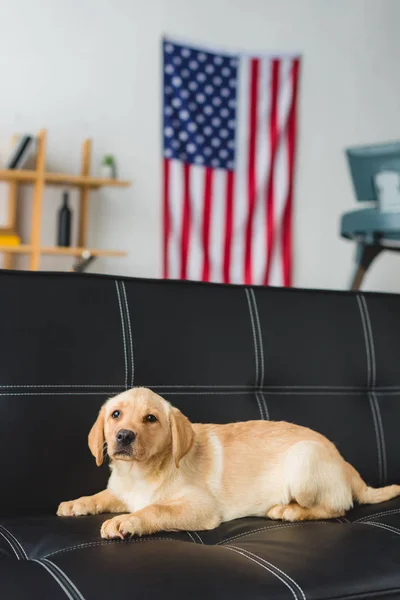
(83, 181)
(18, 175)
(39, 178)
(21, 249)
(61, 179)
(60, 251)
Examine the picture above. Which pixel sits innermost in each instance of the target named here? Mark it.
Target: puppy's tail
(369, 495)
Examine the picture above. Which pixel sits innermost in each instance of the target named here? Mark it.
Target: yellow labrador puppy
(170, 474)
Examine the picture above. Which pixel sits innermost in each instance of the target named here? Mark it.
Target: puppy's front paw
(121, 527)
(77, 508)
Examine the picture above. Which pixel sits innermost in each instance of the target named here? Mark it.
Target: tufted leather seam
(371, 382)
(69, 589)
(342, 388)
(10, 545)
(206, 393)
(123, 333)
(191, 537)
(56, 569)
(380, 514)
(259, 394)
(260, 564)
(197, 535)
(288, 525)
(19, 549)
(382, 526)
(99, 392)
(283, 573)
(106, 543)
(261, 355)
(253, 329)
(128, 319)
(61, 385)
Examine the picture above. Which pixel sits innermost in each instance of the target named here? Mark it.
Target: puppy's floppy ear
(96, 438)
(182, 435)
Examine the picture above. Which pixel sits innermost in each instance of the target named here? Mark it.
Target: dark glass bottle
(64, 222)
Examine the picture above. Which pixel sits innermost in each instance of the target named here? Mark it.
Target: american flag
(229, 154)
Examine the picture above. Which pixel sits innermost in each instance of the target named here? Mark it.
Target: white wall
(92, 68)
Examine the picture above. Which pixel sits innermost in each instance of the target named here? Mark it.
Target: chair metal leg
(365, 254)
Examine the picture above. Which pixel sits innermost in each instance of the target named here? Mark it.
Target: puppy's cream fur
(178, 475)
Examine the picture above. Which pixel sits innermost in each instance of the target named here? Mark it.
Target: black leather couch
(329, 360)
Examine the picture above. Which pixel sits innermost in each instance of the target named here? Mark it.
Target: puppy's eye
(116, 414)
(150, 419)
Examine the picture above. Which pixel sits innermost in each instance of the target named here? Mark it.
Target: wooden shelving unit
(40, 178)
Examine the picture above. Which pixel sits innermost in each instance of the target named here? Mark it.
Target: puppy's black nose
(125, 437)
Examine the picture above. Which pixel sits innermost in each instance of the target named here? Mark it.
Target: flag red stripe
(273, 142)
(185, 221)
(166, 216)
(228, 225)
(208, 177)
(287, 217)
(251, 172)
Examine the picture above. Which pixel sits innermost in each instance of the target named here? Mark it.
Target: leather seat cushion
(254, 558)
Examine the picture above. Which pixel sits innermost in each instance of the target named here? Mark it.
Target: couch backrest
(328, 360)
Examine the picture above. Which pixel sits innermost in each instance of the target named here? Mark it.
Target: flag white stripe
(263, 156)
(217, 225)
(281, 174)
(176, 212)
(195, 255)
(242, 153)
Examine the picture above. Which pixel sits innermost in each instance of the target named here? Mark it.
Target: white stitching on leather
(339, 388)
(372, 403)
(259, 405)
(253, 328)
(382, 437)
(260, 339)
(260, 564)
(343, 520)
(371, 338)
(258, 395)
(10, 544)
(123, 334)
(275, 567)
(106, 543)
(373, 394)
(53, 393)
(255, 321)
(63, 574)
(197, 535)
(370, 351)
(244, 534)
(382, 526)
(60, 583)
(61, 385)
(18, 543)
(367, 350)
(130, 331)
(191, 393)
(393, 511)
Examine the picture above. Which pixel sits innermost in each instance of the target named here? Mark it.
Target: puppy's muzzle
(124, 438)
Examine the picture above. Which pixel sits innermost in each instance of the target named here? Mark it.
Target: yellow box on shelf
(9, 239)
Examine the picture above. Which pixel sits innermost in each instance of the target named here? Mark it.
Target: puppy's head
(138, 425)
